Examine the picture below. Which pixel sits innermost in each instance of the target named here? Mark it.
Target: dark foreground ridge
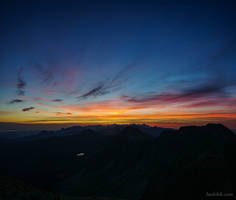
(133, 162)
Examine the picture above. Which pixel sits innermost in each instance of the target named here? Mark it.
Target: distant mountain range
(75, 130)
(132, 162)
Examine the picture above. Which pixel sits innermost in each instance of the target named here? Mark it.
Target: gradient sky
(103, 62)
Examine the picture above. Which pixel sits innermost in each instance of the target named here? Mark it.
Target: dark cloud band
(15, 101)
(27, 109)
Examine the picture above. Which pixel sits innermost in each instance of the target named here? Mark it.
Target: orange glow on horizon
(116, 111)
(173, 120)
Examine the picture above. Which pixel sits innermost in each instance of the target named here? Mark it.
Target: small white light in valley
(80, 154)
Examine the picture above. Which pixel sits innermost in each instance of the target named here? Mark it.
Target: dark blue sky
(138, 54)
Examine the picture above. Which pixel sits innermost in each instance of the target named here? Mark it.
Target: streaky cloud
(21, 84)
(27, 109)
(110, 85)
(15, 101)
(227, 49)
(205, 91)
(45, 71)
(99, 90)
(57, 100)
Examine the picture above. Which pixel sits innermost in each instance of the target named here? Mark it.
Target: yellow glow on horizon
(116, 112)
(116, 117)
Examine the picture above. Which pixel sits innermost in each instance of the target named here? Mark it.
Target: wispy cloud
(15, 101)
(27, 109)
(205, 95)
(45, 71)
(55, 74)
(21, 84)
(227, 49)
(97, 91)
(57, 100)
(47, 100)
(110, 85)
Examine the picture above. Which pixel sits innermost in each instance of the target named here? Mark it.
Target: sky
(163, 63)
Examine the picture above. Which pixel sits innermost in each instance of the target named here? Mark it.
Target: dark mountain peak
(139, 125)
(213, 125)
(134, 133)
(207, 130)
(131, 130)
(169, 133)
(71, 129)
(88, 132)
